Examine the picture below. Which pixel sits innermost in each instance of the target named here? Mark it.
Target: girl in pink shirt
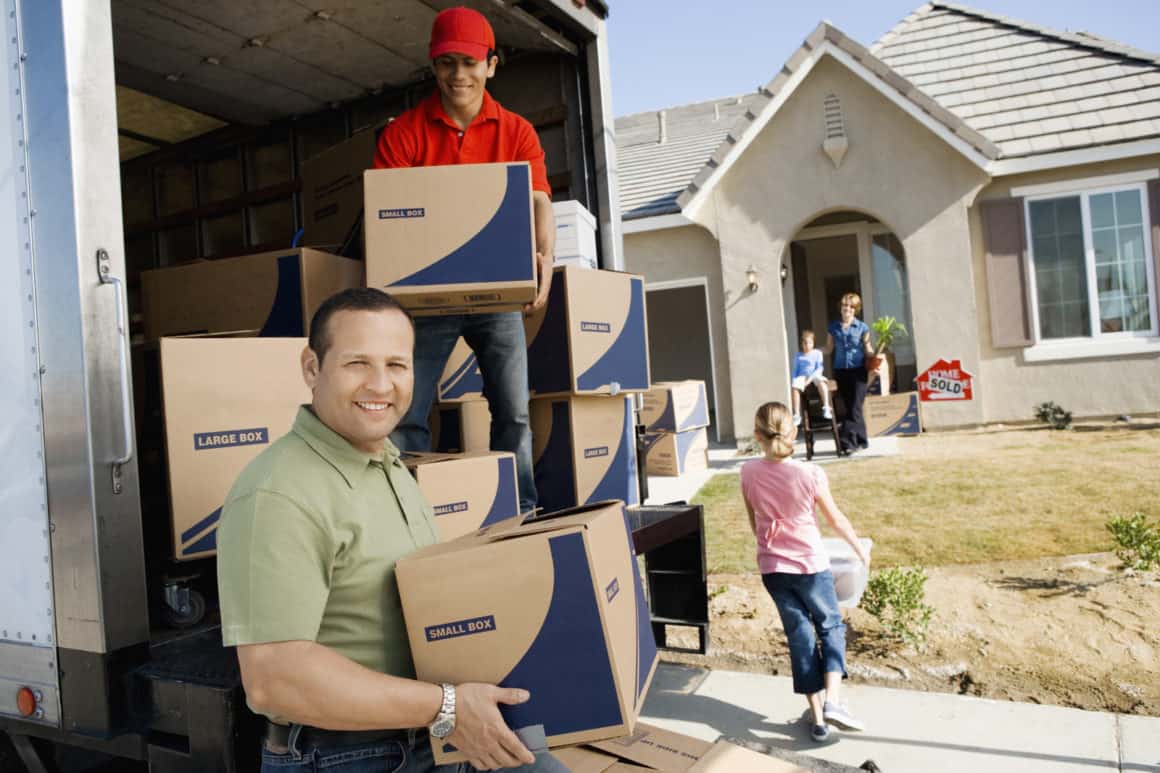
(781, 495)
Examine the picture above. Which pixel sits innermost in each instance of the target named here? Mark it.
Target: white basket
(850, 575)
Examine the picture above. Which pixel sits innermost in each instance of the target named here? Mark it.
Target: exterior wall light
(751, 278)
(784, 273)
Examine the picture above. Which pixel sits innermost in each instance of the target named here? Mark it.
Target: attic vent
(662, 130)
(834, 143)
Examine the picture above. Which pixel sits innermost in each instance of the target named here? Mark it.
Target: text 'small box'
(675, 406)
(675, 453)
(591, 337)
(467, 491)
(554, 606)
(225, 400)
(584, 450)
(451, 238)
(268, 294)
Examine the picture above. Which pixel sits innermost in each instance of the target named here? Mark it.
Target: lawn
(971, 497)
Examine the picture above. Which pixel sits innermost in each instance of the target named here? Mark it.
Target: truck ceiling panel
(252, 61)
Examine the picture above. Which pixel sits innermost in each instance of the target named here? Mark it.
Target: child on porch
(781, 495)
(808, 369)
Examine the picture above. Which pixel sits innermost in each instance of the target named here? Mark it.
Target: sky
(672, 52)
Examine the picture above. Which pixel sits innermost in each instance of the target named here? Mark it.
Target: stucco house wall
(686, 253)
(1009, 385)
(897, 170)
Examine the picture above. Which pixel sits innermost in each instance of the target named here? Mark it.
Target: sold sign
(945, 380)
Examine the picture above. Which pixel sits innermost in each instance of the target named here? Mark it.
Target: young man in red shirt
(461, 124)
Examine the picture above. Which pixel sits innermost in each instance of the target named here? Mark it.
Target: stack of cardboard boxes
(575, 235)
(675, 415)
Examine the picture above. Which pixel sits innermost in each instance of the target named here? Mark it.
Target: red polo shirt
(426, 136)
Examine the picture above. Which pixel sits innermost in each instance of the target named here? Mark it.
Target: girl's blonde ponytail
(774, 423)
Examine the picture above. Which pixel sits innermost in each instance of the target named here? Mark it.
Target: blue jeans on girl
(813, 625)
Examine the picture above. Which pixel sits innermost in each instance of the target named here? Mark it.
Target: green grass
(970, 498)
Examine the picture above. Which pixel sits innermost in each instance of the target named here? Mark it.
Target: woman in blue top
(848, 339)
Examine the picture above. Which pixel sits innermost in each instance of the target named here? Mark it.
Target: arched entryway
(848, 251)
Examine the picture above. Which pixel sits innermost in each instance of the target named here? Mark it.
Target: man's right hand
(480, 731)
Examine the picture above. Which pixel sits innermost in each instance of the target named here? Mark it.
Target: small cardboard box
(467, 491)
(463, 427)
(675, 453)
(332, 189)
(553, 605)
(575, 234)
(675, 406)
(896, 414)
(591, 337)
(225, 400)
(267, 294)
(461, 379)
(584, 450)
(448, 238)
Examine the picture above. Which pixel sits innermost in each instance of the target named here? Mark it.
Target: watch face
(442, 728)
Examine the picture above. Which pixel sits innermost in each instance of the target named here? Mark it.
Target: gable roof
(994, 88)
(1029, 89)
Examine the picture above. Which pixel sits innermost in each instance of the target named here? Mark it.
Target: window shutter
(1154, 212)
(1005, 243)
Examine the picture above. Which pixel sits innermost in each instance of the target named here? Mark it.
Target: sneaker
(827, 414)
(819, 733)
(838, 714)
(797, 419)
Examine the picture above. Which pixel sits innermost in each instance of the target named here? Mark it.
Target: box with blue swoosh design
(466, 491)
(552, 605)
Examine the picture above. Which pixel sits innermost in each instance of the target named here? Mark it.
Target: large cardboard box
(675, 453)
(267, 294)
(591, 338)
(896, 414)
(584, 450)
(332, 189)
(451, 238)
(467, 491)
(553, 605)
(651, 748)
(461, 379)
(675, 406)
(463, 427)
(225, 400)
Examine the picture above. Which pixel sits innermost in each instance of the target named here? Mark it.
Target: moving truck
(139, 134)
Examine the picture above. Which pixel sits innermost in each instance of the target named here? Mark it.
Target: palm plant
(887, 330)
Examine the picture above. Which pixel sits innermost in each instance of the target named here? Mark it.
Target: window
(1092, 272)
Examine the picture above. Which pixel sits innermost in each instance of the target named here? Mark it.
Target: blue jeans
(808, 607)
(498, 342)
(383, 757)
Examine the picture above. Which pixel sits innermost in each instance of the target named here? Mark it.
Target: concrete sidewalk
(908, 731)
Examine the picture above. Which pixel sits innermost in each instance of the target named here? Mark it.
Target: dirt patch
(1071, 631)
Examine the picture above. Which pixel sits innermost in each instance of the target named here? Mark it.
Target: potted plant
(886, 331)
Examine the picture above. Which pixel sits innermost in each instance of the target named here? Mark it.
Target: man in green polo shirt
(308, 541)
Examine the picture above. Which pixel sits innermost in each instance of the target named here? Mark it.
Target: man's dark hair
(353, 299)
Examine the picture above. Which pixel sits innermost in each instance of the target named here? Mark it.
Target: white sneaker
(827, 414)
(797, 419)
(839, 715)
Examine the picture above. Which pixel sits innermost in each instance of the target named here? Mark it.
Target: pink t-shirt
(782, 495)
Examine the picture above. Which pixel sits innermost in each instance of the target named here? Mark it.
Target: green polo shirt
(307, 546)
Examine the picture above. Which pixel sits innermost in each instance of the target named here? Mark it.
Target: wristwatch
(444, 723)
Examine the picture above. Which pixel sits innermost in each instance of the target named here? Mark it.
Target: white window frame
(1098, 344)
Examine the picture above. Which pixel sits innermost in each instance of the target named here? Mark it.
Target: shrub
(895, 597)
(1050, 413)
(1137, 541)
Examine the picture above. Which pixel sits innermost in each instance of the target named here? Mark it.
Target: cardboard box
(575, 234)
(651, 748)
(267, 294)
(584, 450)
(449, 238)
(675, 453)
(225, 400)
(553, 605)
(675, 406)
(463, 427)
(461, 379)
(467, 491)
(896, 414)
(591, 338)
(332, 189)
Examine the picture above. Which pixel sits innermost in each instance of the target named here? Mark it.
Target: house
(992, 183)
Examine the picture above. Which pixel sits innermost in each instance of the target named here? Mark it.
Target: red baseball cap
(461, 31)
